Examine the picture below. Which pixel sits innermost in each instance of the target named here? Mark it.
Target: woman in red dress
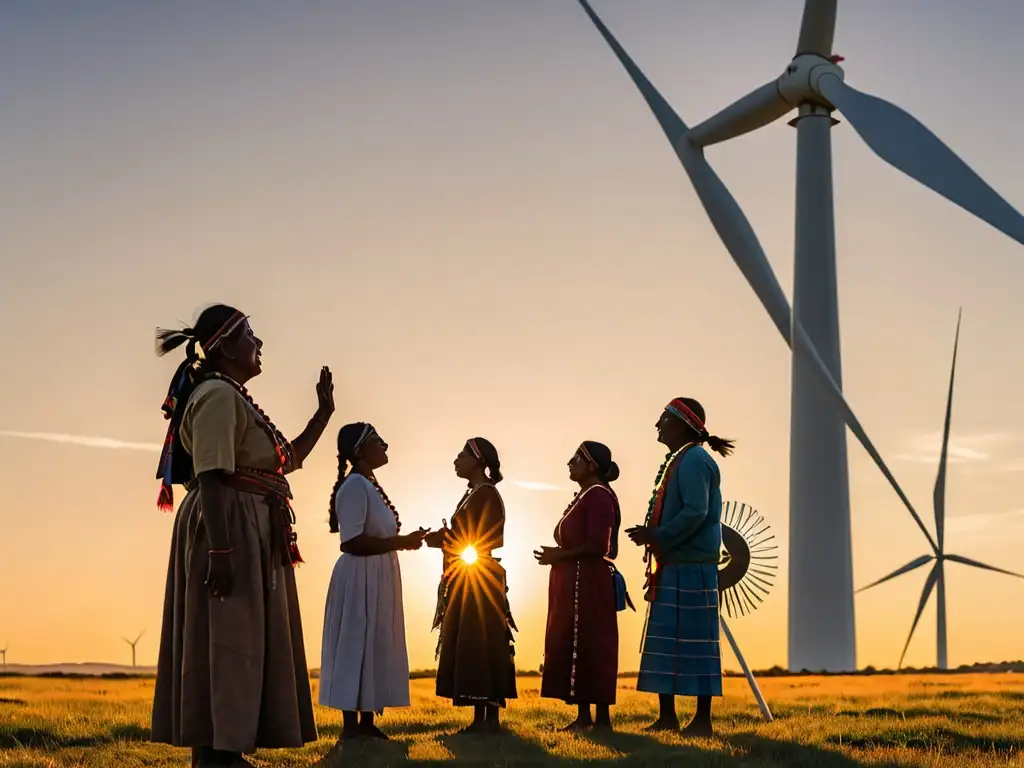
(581, 647)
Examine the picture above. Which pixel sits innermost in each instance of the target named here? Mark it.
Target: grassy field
(947, 720)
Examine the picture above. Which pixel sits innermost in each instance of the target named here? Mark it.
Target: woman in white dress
(364, 664)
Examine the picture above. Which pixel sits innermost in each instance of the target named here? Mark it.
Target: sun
(469, 555)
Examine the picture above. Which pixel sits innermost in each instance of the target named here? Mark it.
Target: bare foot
(373, 732)
(663, 725)
(577, 725)
(699, 729)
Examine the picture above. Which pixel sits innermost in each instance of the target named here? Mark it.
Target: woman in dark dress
(476, 665)
(581, 646)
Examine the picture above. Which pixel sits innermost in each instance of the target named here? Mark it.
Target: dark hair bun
(612, 473)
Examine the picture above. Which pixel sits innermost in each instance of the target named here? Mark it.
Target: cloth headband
(224, 331)
(367, 431)
(586, 454)
(474, 448)
(681, 410)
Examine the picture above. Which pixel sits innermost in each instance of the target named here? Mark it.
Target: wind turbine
(821, 610)
(937, 575)
(3, 655)
(133, 643)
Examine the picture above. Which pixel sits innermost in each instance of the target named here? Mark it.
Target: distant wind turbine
(3, 655)
(937, 575)
(133, 643)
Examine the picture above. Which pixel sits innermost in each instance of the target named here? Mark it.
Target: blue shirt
(690, 529)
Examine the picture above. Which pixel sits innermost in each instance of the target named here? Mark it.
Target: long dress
(476, 654)
(581, 646)
(681, 652)
(364, 663)
(231, 673)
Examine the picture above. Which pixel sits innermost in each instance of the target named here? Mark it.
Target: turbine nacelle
(800, 82)
(798, 85)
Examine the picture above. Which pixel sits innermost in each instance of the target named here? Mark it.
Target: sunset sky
(467, 211)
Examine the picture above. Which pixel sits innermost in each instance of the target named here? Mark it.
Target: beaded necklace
(283, 448)
(656, 504)
(387, 501)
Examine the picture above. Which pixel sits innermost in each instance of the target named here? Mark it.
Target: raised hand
(325, 394)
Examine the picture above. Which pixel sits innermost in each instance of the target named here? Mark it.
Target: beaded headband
(586, 454)
(474, 448)
(681, 410)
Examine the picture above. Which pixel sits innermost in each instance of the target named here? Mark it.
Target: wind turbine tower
(134, 643)
(821, 605)
(937, 576)
(3, 656)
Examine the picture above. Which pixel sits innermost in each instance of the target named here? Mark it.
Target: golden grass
(944, 721)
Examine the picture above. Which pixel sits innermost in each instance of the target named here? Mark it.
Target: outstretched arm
(364, 546)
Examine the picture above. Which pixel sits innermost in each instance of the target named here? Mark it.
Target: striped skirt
(681, 653)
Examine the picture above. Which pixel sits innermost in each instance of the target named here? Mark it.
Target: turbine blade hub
(799, 83)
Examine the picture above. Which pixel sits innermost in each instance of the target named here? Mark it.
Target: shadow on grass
(47, 738)
(508, 747)
(758, 749)
(364, 752)
(931, 740)
(885, 713)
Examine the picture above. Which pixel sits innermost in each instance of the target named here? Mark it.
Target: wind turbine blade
(817, 27)
(912, 565)
(977, 564)
(939, 497)
(929, 585)
(805, 346)
(758, 108)
(670, 122)
(902, 141)
(739, 238)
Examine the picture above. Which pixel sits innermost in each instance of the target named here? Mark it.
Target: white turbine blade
(977, 564)
(817, 27)
(739, 238)
(929, 585)
(939, 497)
(912, 565)
(805, 346)
(759, 108)
(671, 123)
(902, 141)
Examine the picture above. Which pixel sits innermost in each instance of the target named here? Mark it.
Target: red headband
(474, 448)
(678, 408)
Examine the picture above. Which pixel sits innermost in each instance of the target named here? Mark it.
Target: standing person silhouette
(682, 538)
(476, 656)
(232, 674)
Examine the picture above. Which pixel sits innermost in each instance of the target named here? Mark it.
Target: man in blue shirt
(682, 537)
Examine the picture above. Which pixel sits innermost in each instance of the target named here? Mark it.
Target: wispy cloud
(530, 485)
(84, 441)
(963, 449)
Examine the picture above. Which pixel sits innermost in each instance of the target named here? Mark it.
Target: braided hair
(350, 437)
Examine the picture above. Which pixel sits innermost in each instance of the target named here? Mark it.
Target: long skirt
(231, 674)
(581, 645)
(476, 663)
(364, 664)
(681, 653)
